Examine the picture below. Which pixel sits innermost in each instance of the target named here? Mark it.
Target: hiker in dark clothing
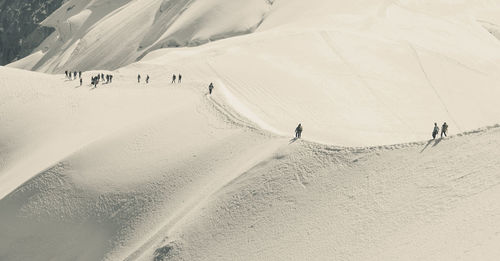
(66, 72)
(102, 76)
(138, 78)
(80, 74)
(74, 75)
(435, 131)
(147, 78)
(81, 81)
(210, 88)
(444, 129)
(173, 78)
(180, 78)
(111, 78)
(298, 131)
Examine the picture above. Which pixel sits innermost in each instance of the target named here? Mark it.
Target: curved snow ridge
(244, 111)
(427, 143)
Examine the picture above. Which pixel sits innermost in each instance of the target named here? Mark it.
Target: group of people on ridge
(72, 75)
(94, 80)
(435, 131)
(298, 130)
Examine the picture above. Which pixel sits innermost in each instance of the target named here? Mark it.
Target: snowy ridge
(143, 193)
(166, 171)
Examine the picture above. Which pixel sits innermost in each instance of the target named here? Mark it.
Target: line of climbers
(298, 130)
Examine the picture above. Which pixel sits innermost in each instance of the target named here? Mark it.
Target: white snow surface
(161, 171)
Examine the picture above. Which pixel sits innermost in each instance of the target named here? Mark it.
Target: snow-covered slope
(357, 73)
(435, 200)
(98, 170)
(163, 171)
(356, 81)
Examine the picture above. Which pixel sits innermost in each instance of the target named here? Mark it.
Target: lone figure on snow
(138, 78)
(147, 78)
(210, 88)
(444, 129)
(298, 131)
(435, 131)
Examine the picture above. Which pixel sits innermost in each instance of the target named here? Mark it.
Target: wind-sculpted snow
(434, 200)
(166, 171)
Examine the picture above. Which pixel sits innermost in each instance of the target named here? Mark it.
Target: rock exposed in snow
(20, 29)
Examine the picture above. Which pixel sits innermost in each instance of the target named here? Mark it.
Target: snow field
(165, 171)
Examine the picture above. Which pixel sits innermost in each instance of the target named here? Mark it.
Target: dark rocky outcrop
(20, 29)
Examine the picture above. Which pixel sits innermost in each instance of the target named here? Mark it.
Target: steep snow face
(104, 34)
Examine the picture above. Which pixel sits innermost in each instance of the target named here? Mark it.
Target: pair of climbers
(139, 78)
(444, 130)
(174, 77)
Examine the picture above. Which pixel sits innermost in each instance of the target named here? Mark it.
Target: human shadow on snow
(436, 142)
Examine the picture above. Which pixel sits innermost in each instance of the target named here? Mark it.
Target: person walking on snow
(444, 129)
(81, 81)
(180, 78)
(435, 131)
(298, 131)
(147, 78)
(173, 78)
(210, 88)
(138, 78)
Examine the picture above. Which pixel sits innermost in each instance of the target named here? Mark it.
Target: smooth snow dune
(94, 174)
(433, 200)
(46, 118)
